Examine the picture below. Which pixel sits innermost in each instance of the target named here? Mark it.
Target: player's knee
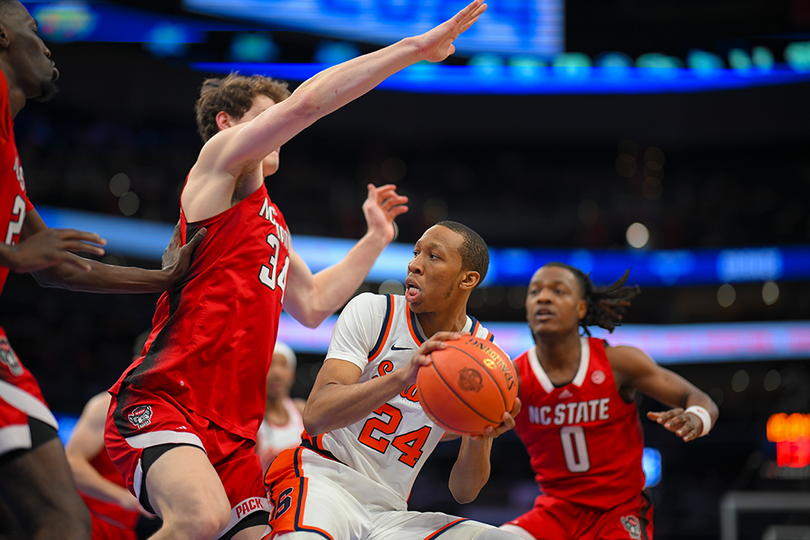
(201, 525)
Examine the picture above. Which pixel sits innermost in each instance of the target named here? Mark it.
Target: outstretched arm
(312, 298)
(333, 88)
(85, 275)
(85, 443)
(633, 368)
(338, 400)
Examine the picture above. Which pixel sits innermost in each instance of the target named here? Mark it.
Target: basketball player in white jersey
(367, 436)
(283, 421)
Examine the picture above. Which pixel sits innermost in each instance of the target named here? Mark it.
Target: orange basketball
(468, 386)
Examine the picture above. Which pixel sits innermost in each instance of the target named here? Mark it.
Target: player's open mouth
(411, 290)
(543, 314)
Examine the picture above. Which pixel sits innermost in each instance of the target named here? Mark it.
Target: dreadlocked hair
(606, 305)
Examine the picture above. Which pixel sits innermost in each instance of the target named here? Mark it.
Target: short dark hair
(473, 250)
(606, 305)
(5, 5)
(234, 95)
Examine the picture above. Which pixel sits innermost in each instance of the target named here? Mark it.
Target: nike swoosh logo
(395, 348)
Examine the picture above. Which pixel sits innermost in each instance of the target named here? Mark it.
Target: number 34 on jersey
(273, 274)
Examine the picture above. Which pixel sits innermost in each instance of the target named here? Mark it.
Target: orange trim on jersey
(440, 531)
(386, 329)
(490, 337)
(412, 328)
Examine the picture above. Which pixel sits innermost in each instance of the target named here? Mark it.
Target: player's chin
(47, 91)
(270, 165)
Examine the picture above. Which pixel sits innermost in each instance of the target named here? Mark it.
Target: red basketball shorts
(20, 398)
(557, 519)
(138, 420)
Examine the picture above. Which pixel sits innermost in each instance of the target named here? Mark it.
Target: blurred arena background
(668, 136)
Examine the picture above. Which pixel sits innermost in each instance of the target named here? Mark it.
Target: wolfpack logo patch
(141, 416)
(633, 526)
(598, 377)
(469, 380)
(9, 358)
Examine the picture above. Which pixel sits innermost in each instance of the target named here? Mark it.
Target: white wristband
(705, 418)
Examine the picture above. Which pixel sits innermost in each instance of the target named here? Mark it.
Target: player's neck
(276, 412)
(451, 321)
(557, 351)
(16, 97)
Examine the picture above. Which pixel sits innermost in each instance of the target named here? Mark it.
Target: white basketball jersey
(274, 438)
(379, 334)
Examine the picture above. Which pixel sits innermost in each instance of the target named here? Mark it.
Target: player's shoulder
(627, 358)
(368, 301)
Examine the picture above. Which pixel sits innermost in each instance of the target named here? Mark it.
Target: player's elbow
(464, 495)
(311, 318)
(314, 424)
(305, 104)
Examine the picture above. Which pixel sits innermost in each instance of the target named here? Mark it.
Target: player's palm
(382, 206)
(437, 44)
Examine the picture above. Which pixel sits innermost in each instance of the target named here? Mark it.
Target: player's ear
(582, 309)
(224, 120)
(4, 37)
(469, 279)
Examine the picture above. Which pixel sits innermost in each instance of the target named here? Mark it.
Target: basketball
(468, 386)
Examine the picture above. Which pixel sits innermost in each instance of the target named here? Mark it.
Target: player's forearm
(334, 286)
(471, 471)
(91, 483)
(104, 278)
(335, 87)
(334, 406)
(7, 256)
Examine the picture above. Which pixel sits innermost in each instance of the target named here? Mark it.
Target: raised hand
(381, 207)
(437, 44)
(51, 247)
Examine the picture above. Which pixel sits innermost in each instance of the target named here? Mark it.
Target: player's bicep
(32, 224)
(634, 368)
(265, 133)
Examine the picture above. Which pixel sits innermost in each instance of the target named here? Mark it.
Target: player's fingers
(82, 247)
(397, 211)
(197, 238)
(516, 408)
(73, 234)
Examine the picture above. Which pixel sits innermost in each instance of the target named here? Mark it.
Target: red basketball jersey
(14, 202)
(213, 332)
(585, 442)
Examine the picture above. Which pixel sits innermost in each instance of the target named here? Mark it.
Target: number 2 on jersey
(15, 225)
(269, 275)
(575, 449)
(410, 444)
